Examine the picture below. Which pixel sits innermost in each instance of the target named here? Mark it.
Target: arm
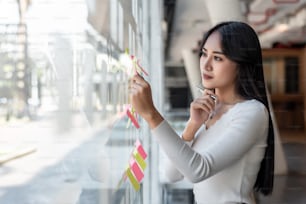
(171, 172)
(141, 100)
(245, 130)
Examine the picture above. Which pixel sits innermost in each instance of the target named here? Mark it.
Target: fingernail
(213, 97)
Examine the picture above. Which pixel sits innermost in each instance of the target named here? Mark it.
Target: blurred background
(64, 70)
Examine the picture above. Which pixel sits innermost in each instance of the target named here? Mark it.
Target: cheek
(227, 74)
(232, 75)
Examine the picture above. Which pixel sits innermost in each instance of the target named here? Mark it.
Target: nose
(206, 63)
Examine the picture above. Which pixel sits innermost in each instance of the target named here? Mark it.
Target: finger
(209, 91)
(138, 77)
(201, 106)
(211, 94)
(209, 103)
(135, 87)
(132, 90)
(208, 99)
(139, 81)
(213, 97)
(204, 105)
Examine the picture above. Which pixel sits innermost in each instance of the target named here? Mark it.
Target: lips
(207, 77)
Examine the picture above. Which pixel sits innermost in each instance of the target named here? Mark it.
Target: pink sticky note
(133, 119)
(136, 170)
(142, 69)
(140, 149)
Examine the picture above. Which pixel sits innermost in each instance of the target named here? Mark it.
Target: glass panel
(68, 133)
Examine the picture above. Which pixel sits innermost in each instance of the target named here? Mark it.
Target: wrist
(193, 124)
(153, 119)
(190, 130)
(186, 138)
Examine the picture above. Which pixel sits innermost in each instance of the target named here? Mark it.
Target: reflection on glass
(64, 84)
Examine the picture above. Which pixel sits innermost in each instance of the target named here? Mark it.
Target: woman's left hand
(142, 102)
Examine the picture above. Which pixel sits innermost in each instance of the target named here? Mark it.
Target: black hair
(240, 44)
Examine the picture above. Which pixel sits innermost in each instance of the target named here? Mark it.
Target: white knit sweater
(222, 161)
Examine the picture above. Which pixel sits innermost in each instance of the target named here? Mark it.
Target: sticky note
(128, 124)
(132, 179)
(140, 149)
(132, 118)
(136, 170)
(142, 70)
(139, 160)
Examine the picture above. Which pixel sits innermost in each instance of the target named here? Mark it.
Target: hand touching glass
(142, 102)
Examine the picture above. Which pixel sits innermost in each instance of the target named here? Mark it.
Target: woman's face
(217, 71)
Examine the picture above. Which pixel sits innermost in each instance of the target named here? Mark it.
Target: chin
(207, 86)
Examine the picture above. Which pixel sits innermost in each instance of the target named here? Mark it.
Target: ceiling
(277, 22)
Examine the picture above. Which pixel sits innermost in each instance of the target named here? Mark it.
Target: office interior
(67, 131)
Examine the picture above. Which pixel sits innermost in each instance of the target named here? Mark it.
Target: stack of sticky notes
(137, 165)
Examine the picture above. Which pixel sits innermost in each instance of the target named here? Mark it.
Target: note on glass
(137, 165)
(139, 160)
(137, 171)
(132, 179)
(132, 118)
(140, 149)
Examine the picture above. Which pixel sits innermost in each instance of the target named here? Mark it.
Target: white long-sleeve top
(223, 161)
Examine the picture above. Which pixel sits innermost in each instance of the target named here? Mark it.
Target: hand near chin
(202, 107)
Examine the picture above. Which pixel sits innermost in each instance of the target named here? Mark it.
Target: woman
(227, 146)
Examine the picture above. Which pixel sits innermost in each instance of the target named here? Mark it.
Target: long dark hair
(240, 44)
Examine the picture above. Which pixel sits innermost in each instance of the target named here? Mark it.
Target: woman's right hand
(202, 107)
(142, 101)
(200, 110)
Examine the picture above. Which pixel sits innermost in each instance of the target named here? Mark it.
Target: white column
(153, 11)
(63, 65)
(192, 68)
(88, 65)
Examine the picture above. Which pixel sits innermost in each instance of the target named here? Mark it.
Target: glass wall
(68, 132)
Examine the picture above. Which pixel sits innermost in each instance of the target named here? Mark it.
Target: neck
(228, 97)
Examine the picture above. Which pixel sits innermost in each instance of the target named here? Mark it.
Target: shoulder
(251, 116)
(251, 105)
(250, 108)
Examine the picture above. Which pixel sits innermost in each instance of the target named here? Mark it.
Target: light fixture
(282, 27)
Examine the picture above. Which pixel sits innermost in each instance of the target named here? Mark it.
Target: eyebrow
(216, 52)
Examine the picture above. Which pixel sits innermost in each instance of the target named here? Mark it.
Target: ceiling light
(282, 27)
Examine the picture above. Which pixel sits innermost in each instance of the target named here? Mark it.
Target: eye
(203, 53)
(217, 58)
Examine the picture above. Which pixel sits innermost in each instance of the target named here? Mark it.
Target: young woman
(227, 146)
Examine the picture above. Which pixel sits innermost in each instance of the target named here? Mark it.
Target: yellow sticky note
(132, 179)
(139, 160)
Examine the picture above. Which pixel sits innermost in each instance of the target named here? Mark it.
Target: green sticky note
(132, 179)
(139, 160)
